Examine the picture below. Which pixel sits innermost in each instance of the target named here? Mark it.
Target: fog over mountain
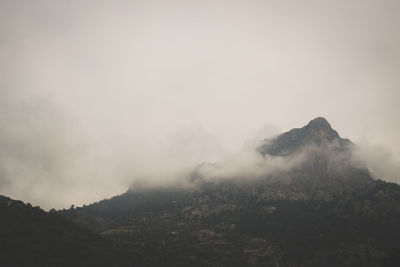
(306, 201)
(98, 95)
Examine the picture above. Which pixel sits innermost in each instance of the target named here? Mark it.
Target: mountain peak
(319, 129)
(320, 123)
(316, 132)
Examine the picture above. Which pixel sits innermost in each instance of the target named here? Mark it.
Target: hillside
(30, 236)
(326, 210)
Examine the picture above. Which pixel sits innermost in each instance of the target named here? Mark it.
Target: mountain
(321, 209)
(30, 236)
(318, 207)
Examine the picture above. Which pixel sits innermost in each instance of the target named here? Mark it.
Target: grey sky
(95, 94)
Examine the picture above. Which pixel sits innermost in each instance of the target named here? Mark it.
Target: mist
(96, 95)
(380, 160)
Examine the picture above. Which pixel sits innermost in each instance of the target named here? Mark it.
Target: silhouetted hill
(325, 210)
(30, 236)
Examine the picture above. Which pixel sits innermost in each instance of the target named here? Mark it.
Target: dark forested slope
(30, 236)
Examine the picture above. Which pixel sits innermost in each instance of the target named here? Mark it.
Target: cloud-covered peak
(316, 132)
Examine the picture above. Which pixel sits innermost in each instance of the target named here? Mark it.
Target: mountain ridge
(325, 211)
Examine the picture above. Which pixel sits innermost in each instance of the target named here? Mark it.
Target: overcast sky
(96, 94)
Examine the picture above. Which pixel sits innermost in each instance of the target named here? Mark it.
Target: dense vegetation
(30, 236)
(227, 226)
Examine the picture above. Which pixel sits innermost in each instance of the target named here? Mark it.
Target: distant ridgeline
(325, 210)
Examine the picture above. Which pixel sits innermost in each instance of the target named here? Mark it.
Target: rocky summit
(316, 132)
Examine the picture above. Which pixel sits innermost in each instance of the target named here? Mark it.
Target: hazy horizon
(97, 94)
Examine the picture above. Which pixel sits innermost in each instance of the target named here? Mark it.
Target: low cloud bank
(53, 160)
